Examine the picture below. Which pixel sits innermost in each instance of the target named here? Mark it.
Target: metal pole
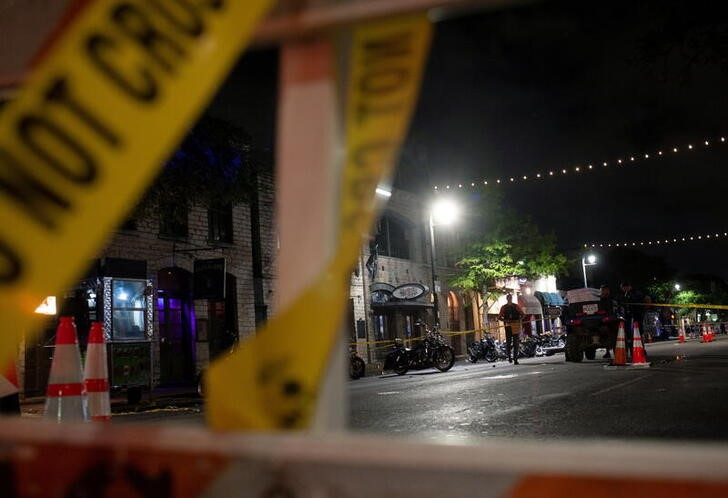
(432, 260)
(583, 268)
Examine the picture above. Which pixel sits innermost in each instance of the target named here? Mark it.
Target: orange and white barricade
(65, 397)
(96, 375)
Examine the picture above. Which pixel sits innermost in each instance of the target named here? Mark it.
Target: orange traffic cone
(704, 337)
(681, 333)
(638, 350)
(9, 391)
(65, 396)
(620, 351)
(96, 375)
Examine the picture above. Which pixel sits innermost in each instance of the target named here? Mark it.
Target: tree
(509, 245)
(213, 166)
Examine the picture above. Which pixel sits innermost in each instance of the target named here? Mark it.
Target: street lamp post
(590, 260)
(443, 212)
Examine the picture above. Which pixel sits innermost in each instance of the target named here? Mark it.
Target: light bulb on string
(578, 169)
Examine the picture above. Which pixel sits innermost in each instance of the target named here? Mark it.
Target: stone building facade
(161, 327)
(392, 290)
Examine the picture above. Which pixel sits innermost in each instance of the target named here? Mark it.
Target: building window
(220, 222)
(129, 308)
(453, 310)
(392, 238)
(173, 220)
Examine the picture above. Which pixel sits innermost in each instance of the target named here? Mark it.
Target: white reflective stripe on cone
(6, 387)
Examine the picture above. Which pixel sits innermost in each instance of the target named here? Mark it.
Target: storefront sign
(553, 312)
(408, 291)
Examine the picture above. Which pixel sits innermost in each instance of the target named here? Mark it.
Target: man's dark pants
(512, 338)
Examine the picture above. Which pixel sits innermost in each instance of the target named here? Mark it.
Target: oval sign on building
(408, 291)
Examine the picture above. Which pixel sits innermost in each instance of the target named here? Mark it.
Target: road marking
(622, 384)
(548, 397)
(509, 376)
(388, 393)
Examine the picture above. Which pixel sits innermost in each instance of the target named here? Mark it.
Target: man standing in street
(512, 315)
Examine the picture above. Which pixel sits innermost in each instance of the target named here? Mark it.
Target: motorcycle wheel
(444, 359)
(491, 356)
(472, 355)
(357, 368)
(401, 365)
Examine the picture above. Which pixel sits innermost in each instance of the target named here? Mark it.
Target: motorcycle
(484, 349)
(552, 344)
(357, 367)
(430, 351)
(527, 347)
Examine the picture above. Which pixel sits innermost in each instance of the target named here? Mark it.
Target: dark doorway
(223, 316)
(175, 312)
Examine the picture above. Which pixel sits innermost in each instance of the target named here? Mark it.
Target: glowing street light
(443, 212)
(590, 260)
(677, 287)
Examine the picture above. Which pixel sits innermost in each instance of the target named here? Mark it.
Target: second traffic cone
(96, 375)
(638, 350)
(704, 337)
(9, 391)
(65, 397)
(620, 351)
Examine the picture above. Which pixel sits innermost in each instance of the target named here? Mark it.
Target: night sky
(557, 85)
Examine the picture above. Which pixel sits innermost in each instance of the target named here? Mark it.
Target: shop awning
(549, 298)
(529, 304)
(393, 305)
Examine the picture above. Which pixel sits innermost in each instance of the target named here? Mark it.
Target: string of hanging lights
(582, 168)
(659, 242)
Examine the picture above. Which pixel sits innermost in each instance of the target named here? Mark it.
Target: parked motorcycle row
(432, 351)
(492, 350)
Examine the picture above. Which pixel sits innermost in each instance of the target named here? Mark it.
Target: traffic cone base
(65, 398)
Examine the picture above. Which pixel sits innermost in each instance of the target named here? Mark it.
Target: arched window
(453, 310)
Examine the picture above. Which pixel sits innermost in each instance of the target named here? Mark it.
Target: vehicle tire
(491, 356)
(444, 359)
(573, 350)
(590, 353)
(401, 365)
(472, 354)
(357, 368)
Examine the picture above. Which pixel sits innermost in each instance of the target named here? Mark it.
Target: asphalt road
(680, 397)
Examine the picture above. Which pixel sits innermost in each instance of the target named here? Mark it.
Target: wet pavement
(679, 397)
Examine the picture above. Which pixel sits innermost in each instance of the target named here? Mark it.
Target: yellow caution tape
(697, 306)
(272, 380)
(114, 94)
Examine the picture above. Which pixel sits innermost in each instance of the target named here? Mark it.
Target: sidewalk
(162, 397)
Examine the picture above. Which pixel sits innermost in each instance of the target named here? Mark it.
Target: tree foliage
(510, 244)
(211, 167)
